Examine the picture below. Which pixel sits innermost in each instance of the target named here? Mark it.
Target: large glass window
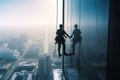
(92, 19)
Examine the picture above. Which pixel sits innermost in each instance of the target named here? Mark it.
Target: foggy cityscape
(36, 59)
(27, 42)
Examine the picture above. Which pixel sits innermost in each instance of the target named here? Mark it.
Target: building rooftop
(23, 75)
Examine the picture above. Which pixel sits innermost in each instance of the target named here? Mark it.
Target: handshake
(57, 38)
(68, 36)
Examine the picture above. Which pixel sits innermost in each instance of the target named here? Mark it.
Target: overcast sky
(27, 12)
(36, 14)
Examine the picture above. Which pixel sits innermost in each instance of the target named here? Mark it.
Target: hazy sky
(25, 13)
(28, 16)
(36, 14)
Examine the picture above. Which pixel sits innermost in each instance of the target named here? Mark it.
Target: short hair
(60, 25)
(75, 25)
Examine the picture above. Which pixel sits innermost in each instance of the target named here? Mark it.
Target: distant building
(23, 37)
(33, 51)
(4, 66)
(26, 70)
(18, 43)
(57, 74)
(44, 67)
(23, 75)
(13, 43)
(8, 54)
(29, 65)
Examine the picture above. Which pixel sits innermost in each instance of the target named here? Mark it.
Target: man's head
(76, 26)
(61, 26)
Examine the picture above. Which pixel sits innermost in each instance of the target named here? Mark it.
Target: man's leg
(64, 49)
(59, 46)
(74, 43)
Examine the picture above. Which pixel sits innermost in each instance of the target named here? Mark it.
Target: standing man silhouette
(60, 39)
(77, 37)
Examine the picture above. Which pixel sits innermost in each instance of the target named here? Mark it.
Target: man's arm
(66, 34)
